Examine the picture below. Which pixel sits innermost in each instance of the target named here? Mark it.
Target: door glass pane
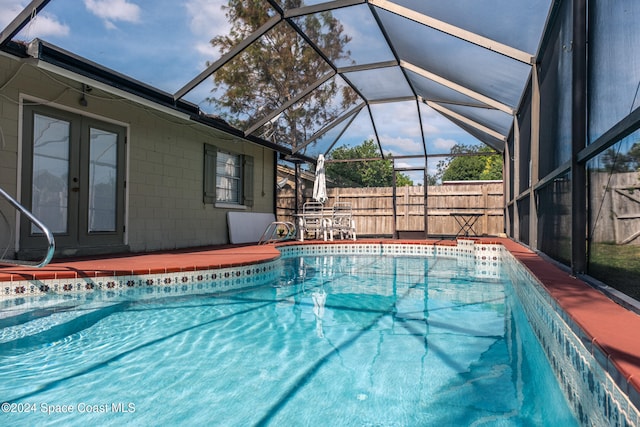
(102, 180)
(49, 196)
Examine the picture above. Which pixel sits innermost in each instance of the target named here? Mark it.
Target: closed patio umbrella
(320, 184)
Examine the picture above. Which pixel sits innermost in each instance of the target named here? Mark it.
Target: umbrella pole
(298, 189)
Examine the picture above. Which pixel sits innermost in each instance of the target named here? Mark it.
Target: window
(228, 177)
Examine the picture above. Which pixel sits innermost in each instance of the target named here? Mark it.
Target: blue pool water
(334, 340)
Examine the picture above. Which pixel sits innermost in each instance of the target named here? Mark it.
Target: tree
(471, 167)
(634, 154)
(615, 161)
(276, 68)
(371, 173)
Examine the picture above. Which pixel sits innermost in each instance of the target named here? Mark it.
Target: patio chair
(314, 220)
(342, 221)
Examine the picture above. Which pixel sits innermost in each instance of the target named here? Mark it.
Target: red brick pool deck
(609, 326)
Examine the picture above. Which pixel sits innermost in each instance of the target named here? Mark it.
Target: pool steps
(35, 328)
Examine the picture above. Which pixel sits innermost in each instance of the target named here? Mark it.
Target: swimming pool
(367, 339)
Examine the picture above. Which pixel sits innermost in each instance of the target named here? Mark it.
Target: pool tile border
(184, 282)
(582, 372)
(40, 282)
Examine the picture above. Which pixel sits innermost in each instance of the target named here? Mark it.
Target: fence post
(485, 203)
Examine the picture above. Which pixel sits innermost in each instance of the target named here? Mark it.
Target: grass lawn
(618, 266)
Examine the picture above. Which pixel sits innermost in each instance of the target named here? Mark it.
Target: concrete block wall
(165, 160)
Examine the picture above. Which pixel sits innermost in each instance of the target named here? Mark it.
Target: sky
(165, 43)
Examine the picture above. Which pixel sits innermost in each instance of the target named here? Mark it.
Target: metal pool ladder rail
(278, 231)
(50, 240)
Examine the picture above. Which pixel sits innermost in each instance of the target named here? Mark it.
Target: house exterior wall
(165, 161)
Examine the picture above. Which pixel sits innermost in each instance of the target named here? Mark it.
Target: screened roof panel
(260, 85)
(434, 91)
(485, 138)
(360, 130)
(317, 147)
(364, 42)
(380, 83)
(441, 134)
(311, 113)
(481, 70)
(398, 128)
(494, 119)
(325, 142)
(285, 3)
(202, 94)
(341, 123)
(517, 23)
(221, 36)
(270, 129)
(462, 53)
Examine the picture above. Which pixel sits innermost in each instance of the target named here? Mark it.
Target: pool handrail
(271, 233)
(48, 234)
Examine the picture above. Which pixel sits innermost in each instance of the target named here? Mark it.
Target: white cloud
(206, 18)
(9, 9)
(430, 128)
(403, 165)
(434, 123)
(207, 50)
(367, 43)
(400, 146)
(111, 11)
(404, 122)
(442, 144)
(410, 163)
(44, 24)
(109, 25)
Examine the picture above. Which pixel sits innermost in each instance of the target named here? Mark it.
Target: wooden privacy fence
(447, 204)
(615, 198)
